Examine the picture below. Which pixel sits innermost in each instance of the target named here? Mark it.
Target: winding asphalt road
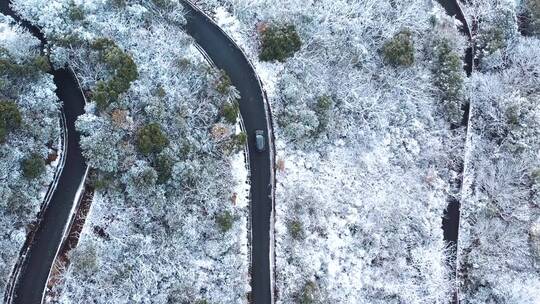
(37, 263)
(228, 57)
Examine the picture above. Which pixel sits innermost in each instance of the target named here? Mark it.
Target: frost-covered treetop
(19, 43)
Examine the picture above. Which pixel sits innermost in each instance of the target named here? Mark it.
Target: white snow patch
(240, 174)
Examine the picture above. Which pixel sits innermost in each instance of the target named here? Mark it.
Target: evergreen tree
(279, 43)
(10, 118)
(150, 139)
(399, 51)
(33, 166)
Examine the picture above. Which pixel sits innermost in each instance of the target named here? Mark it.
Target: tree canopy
(33, 166)
(151, 139)
(279, 42)
(10, 118)
(125, 72)
(399, 50)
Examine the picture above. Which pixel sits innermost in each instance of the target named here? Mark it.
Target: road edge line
(67, 226)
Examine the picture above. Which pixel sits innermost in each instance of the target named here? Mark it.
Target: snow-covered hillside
(366, 155)
(168, 224)
(500, 226)
(29, 138)
(367, 100)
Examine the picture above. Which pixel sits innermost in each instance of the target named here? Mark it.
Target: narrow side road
(450, 221)
(37, 263)
(228, 57)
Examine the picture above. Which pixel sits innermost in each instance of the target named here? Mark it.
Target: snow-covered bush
(124, 72)
(230, 111)
(33, 166)
(29, 134)
(449, 79)
(399, 50)
(10, 118)
(499, 27)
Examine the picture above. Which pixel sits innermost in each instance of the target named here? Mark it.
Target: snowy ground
(20, 197)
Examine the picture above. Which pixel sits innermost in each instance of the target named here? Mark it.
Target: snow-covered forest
(168, 222)
(499, 251)
(367, 100)
(29, 138)
(367, 152)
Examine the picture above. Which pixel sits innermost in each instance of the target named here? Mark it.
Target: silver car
(259, 140)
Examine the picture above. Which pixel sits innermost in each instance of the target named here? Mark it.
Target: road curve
(36, 264)
(227, 56)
